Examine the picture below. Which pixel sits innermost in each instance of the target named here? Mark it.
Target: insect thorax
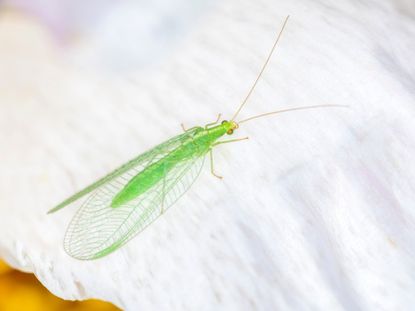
(207, 136)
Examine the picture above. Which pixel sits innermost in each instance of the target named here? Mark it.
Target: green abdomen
(151, 175)
(142, 182)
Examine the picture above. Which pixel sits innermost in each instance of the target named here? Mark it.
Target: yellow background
(22, 291)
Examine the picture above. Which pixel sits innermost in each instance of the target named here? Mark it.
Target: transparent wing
(138, 163)
(98, 229)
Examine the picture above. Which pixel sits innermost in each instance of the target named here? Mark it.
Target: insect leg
(213, 123)
(186, 130)
(212, 170)
(229, 141)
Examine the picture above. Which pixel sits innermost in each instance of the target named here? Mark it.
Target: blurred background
(104, 35)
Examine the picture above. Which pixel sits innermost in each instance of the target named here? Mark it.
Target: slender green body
(127, 200)
(197, 145)
(131, 197)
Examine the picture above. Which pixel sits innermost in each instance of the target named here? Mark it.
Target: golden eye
(229, 132)
(224, 121)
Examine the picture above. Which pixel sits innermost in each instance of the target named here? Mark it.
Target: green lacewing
(124, 202)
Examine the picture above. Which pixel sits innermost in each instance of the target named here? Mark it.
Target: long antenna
(262, 70)
(290, 109)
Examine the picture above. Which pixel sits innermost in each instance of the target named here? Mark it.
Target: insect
(126, 201)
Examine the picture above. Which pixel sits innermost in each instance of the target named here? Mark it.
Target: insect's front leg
(213, 123)
(212, 169)
(187, 130)
(229, 141)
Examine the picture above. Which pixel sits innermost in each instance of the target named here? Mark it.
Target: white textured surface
(316, 211)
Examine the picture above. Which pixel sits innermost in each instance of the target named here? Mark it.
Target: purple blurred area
(116, 36)
(64, 17)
